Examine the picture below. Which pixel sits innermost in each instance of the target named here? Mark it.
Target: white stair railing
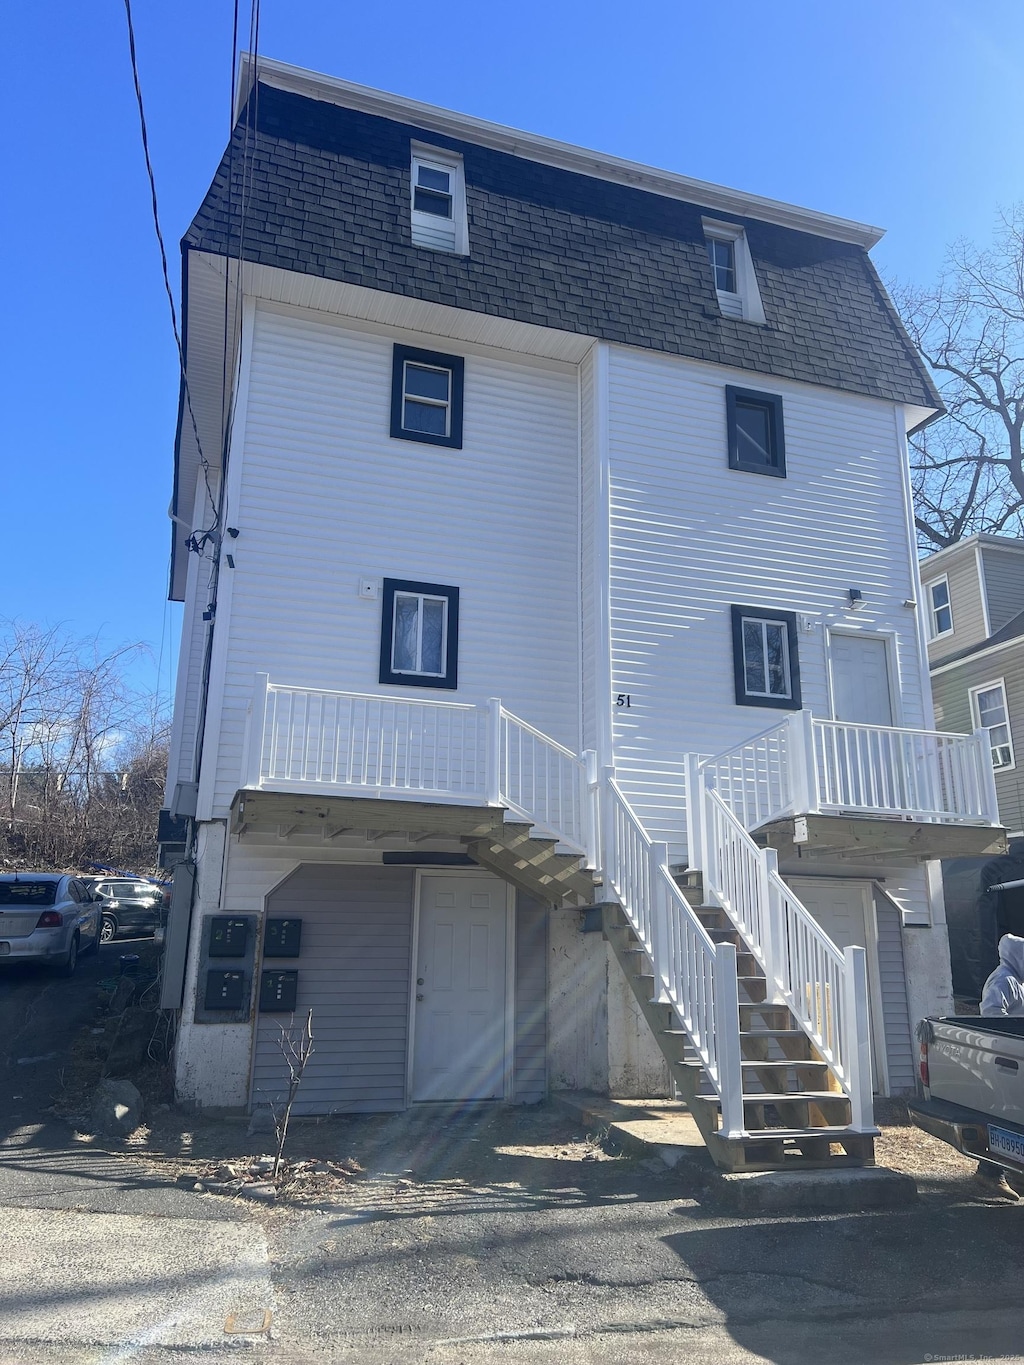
(544, 782)
(692, 974)
(824, 986)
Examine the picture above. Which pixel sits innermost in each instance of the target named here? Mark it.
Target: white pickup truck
(972, 1082)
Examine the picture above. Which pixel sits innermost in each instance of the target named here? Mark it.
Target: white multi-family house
(553, 704)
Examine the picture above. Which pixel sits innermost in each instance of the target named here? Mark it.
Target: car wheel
(108, 929)
(67, 967)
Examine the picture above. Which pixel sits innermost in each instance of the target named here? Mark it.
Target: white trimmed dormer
(438, 200)
(733, 271)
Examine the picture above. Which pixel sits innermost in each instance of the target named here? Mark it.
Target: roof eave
(549, 151)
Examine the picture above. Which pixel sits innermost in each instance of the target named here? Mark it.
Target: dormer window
(723, 264)
(732, 272)
(438, 205)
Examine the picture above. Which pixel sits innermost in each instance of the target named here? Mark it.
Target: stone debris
(250, 1178)
(116, 1108)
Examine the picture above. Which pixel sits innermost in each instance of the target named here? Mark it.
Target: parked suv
(130, 907)
(47, 917)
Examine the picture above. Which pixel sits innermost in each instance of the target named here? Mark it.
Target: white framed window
(426, 396)
(438, 200)
(419, 634)
(940, 619)
(765, 658)
(988, 707)
(732, 271)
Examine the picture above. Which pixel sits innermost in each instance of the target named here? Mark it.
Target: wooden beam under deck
(269, 811)
(855, 838)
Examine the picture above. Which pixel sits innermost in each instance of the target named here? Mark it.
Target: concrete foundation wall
(211, 1061)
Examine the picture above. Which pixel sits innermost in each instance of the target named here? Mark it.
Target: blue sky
(905, 114)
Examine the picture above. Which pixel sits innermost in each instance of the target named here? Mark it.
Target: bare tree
(969, 466)
(296, 1051)
(82, 753)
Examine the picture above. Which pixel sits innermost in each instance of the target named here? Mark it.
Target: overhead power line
(204, 462)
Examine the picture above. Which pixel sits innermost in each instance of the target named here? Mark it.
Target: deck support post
(727, 1040)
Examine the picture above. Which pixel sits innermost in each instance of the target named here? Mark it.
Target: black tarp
(977, 917)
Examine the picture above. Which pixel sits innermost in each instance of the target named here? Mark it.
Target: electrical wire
(204, 462)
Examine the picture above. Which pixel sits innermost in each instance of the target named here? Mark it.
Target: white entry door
(860, 680)
(845, 910)
(459, 1052)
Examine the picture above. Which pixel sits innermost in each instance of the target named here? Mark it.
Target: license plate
(5, 949)
(1001, 1142)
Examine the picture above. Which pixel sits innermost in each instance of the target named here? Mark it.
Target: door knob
(419, 997)
(419, 981)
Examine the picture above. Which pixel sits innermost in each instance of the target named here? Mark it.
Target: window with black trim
(765, 658)
(756, 438)
(419, 634)
(426, 397)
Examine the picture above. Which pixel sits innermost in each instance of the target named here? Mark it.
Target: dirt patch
(902, 1146)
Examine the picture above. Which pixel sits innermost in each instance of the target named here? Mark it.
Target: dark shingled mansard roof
(329, 196)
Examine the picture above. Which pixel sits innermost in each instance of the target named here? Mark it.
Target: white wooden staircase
(762, 1019)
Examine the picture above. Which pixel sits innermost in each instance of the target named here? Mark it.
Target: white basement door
(459, 1052)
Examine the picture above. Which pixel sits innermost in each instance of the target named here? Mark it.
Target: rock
(116, 1108)
(263, 1165)
(321, 1168)
(262, 1121)
(259, 1190)
(187, 1182)
(227, 1172)
(225, 1186)
(199, 1187)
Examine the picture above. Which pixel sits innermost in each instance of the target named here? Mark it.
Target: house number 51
(623, 699)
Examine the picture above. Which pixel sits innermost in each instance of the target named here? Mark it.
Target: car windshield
(28, 893)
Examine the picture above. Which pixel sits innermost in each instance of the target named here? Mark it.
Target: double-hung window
(988, 705)
(426, 397)
(756, 436)
(438, 203)
(732, 272)
(419, 634)
(765, 661)
(941, 617)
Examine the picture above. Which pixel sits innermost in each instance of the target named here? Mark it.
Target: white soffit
(548, 151)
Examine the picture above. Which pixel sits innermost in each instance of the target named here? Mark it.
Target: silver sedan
(47, 917)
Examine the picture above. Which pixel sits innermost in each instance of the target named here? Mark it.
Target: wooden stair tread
(833, 1132)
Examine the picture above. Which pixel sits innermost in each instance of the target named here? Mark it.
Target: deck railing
(355, 743)
(808, 766)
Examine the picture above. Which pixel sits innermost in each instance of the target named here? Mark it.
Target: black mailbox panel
(228, 936)
(283, 938)
(278, 991)
(225, 990)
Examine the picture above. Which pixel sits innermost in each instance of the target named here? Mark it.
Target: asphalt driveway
(472, 1235)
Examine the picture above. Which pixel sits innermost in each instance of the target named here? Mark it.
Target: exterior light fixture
(855, 598)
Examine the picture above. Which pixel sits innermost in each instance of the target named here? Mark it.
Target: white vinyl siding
(327, 499)
(689, 539)
(194, 630)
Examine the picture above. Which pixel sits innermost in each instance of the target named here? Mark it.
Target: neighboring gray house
(553, 704)
(974, 608)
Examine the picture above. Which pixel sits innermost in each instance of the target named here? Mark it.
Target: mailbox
(225, 990)
(282, 938)
(278, 991)
(228, 936)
